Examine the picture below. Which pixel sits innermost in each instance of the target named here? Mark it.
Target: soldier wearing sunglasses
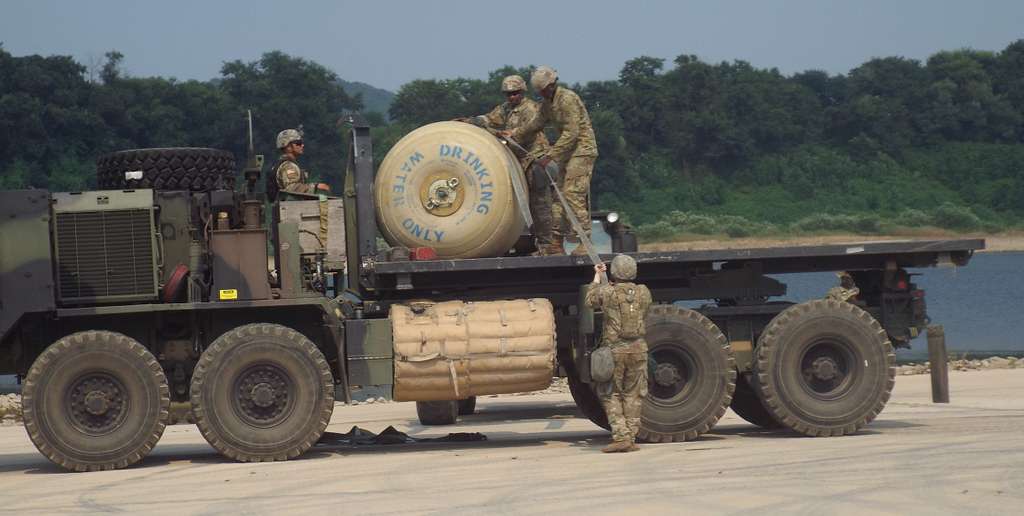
(290, 178)
(507, 117)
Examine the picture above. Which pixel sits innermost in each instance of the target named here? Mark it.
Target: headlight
(612, 217)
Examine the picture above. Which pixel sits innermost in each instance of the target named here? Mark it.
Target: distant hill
(374, 99)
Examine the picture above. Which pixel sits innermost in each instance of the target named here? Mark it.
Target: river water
(981, 305)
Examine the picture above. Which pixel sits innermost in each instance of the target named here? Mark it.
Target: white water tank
(448, 185)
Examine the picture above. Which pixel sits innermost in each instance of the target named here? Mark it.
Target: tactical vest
(626, 299)
(273, 189)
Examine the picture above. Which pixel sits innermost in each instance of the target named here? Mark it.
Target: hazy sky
(388, 43)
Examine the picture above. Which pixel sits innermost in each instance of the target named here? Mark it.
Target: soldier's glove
(544, 162)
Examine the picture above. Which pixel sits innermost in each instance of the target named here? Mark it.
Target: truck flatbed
(562, 275)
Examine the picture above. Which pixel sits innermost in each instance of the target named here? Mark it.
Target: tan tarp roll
(454, 350)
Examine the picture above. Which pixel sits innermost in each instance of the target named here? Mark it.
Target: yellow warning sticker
(229, 293)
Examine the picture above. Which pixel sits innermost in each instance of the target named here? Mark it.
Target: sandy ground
(993, 243)
(966, 457)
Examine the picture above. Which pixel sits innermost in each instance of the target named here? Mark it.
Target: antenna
(254, 162)
(248, 115)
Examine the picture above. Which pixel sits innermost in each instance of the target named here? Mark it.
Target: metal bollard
(939, 363)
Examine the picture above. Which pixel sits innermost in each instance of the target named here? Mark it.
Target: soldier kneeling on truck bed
(625, 307)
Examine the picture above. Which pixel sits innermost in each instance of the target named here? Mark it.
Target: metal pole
(939, 363)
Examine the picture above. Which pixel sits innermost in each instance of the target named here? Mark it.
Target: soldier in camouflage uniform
(846, 290)
(290, 179)
(625, 307)
(575, 151)
(509, 116)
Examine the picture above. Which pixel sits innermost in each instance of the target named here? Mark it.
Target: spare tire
(178, 168)
(448, 185)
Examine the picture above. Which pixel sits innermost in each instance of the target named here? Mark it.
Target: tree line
(57, 116)
(893, 141)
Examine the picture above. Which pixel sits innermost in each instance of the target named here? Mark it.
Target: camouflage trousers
(575, 186)
(322, 205)
(623, 396)
(540, 206)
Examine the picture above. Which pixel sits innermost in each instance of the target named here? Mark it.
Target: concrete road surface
(540, 457)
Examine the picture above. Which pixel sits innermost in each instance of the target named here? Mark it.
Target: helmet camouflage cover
(623, 268)
(513, 83)
(287, 136)
(542, 77)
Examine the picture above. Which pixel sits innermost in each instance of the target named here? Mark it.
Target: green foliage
(824, 222)
(286, 92)
(54, 121)
(686, 147)
(913, 218)
(951, 216)
(679, 223)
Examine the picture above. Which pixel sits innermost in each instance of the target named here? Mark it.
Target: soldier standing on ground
(625, 307)
(290, 179)
(575, 152)
(509, 116)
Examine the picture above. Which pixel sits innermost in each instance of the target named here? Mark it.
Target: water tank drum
(448, 185)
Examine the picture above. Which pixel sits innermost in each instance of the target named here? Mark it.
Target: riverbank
(1001, 242)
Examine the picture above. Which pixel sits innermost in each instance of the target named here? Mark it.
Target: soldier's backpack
(626, 298)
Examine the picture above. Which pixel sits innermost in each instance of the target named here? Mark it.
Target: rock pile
(558, 386)
(370, 401)
(964, 365)
(10, 409)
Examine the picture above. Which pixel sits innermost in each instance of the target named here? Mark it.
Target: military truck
(169, 285)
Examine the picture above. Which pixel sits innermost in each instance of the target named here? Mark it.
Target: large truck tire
(262, 392)
(588, 402)
(432, 413)
(824, 368)
(746, 403)
(448, 185)
(194, 169)
(583, 393)
(95, 400)
(693, 378)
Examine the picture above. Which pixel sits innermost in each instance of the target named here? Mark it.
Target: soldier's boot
(633, 446)
(550, 250)
(580, 250)
(616, 447)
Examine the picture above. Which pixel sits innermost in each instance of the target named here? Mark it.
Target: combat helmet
(513, 83)
(287, 136)
(623, 268)
(542, 77)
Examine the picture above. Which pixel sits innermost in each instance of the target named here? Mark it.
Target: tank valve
(442, 193)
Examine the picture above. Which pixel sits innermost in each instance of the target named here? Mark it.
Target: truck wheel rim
(99, 403)
(263, 395)
(828, 369)
(674, 367)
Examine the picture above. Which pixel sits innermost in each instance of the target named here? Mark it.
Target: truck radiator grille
(105, 254)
